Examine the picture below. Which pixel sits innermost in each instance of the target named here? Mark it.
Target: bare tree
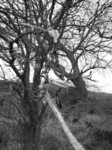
(35, 35)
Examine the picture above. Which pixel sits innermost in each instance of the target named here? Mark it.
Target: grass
(90, 121)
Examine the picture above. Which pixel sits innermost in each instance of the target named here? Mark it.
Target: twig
(33, 26)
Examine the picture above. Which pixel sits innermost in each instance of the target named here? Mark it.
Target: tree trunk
(80, 86)
(32, 142)
(75, 77)
(32, 129)
(32, 135)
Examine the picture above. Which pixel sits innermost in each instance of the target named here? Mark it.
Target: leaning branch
(76, 145)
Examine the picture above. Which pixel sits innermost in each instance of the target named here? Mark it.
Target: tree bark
(32, 142)
(32, 132)
(32, 128)
(80, 86)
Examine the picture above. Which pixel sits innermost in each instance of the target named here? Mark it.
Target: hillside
(90, 120)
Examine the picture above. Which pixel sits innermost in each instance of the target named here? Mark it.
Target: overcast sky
(103, 78)
(103, 81)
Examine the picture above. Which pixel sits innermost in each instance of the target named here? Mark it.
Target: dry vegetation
(90, 121)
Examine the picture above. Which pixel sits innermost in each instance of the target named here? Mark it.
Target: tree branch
(51, 13)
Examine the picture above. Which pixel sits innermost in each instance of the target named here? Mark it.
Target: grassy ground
(89, 120)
